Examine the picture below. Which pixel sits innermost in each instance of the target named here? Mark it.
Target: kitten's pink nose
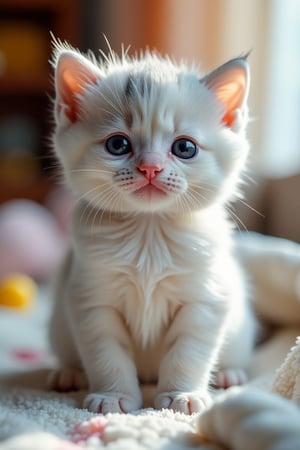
(149, 171)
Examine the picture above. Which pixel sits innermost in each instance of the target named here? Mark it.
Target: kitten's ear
(230, 83)
(72, 74)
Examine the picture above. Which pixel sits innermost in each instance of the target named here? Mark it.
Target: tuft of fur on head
(152, 102)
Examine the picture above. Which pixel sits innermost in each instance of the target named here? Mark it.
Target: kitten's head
(145, 134)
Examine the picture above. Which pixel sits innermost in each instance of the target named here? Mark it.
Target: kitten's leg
(193, 343)
(235, 355)
(229, 376)
(105, 348)
(67, 379)
(69, 376)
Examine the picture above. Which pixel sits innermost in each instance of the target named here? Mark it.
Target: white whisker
(182, 204)
(251, 208)
(93, 201)
(91, 170)
(105, 200)
(240, 225)
(196, 195)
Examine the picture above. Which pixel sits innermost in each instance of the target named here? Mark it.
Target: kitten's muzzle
(149, 171)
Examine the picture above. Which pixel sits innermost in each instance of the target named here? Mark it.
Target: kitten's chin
(149, 192)
(150, 197)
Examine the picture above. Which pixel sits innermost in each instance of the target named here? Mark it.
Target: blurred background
(206, 31)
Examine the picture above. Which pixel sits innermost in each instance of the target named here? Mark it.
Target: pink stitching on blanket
(94, 427)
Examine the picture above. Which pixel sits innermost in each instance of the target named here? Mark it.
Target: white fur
(150, 290)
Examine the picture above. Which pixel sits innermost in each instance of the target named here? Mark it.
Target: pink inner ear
(232, 95)
(72, 75)
(229, 83)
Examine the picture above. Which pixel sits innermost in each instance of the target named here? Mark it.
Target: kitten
(149, 291)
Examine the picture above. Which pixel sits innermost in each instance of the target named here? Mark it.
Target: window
(281, 134)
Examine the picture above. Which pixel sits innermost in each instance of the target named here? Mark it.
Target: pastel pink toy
(31, 241)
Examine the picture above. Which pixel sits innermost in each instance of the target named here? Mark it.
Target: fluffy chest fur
(148, 267)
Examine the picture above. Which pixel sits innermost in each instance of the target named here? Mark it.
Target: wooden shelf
(63, 16)
(27, 82)
(34, 85)
(38, 4)
(37, 190)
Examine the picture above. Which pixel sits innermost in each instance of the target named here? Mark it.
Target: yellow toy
(17, 291)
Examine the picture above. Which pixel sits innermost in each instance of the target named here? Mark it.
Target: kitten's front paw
(185, 402)
(111, 402)
(67, 379)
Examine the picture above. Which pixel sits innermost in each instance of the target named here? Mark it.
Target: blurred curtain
(281, 136)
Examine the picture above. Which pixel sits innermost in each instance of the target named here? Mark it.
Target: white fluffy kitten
(149, 291)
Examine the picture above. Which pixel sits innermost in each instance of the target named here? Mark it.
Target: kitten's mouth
(149, 192)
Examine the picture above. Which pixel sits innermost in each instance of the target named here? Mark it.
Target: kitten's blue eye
(118, 145)
(184, 148)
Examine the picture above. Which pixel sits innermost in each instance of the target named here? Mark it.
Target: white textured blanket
(251, 417)
(240, 419)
